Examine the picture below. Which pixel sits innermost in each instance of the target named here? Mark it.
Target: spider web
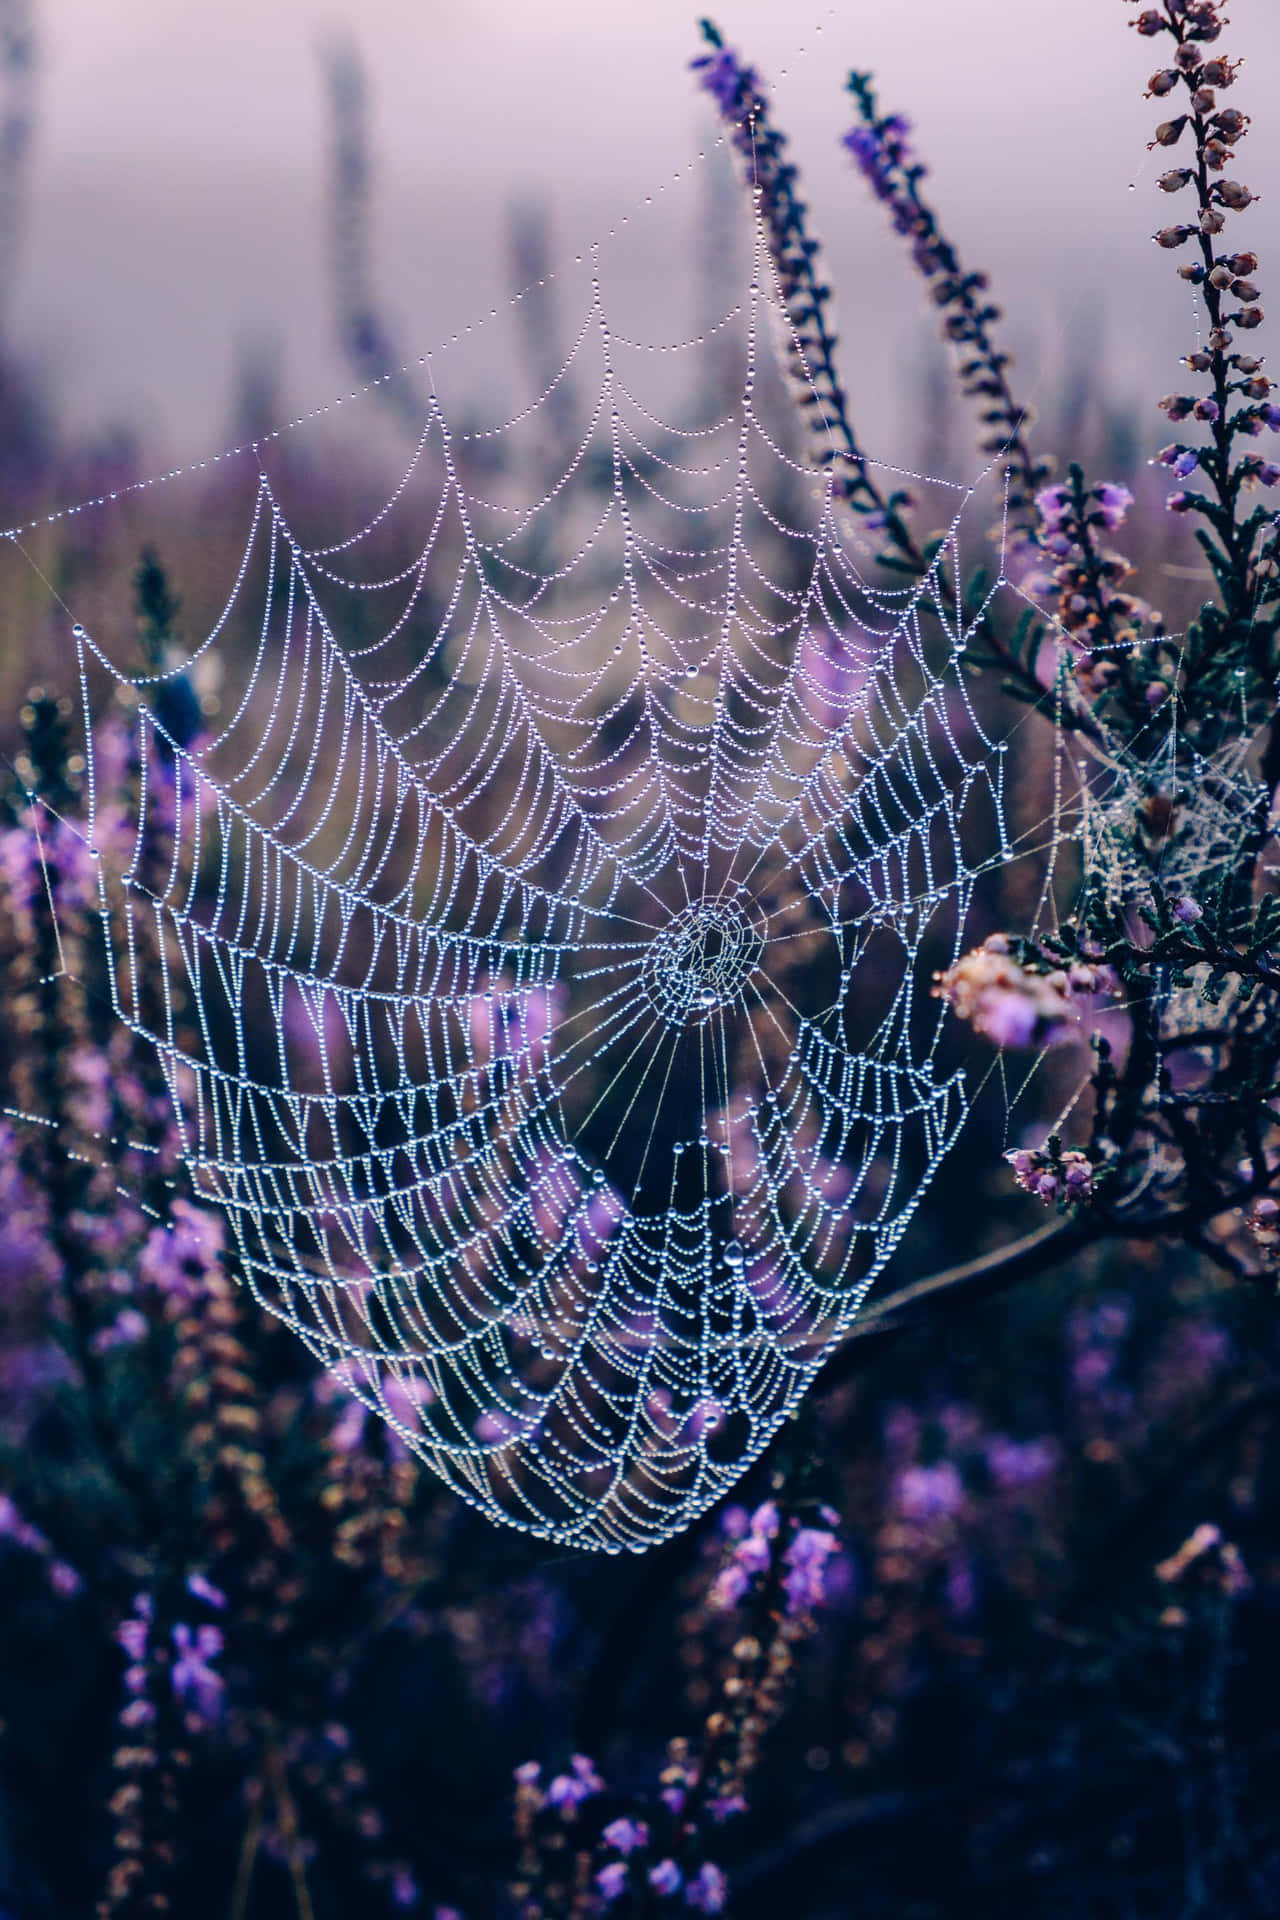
(540, 969)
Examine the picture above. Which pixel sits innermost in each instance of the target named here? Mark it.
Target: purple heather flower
(612, 1880)
(1053, 504)
(192, 1677)
(202, 1589)
(1114, 502)
(806, 1560)
(730, 1586)
(707, 1890)
(930, 1493)
(765, 1519)
(734, 1522)
(1019, 1463)
(1186, 463)
(626, 1835)
(127, 1329)
(64, 1580)
(570, 1789)
(405, 1891)
(724, 1806)
(753, 1554)
(132, 1634)
(528, 1774)
(666, 1877)
(1188, 910)
(732, 84)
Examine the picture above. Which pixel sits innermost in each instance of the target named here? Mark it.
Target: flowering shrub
(1011, 1592)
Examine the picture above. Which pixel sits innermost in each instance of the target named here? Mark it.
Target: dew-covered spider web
(540, 959)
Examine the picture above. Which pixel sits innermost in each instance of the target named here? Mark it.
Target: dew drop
(733, 1256)
(77, 631)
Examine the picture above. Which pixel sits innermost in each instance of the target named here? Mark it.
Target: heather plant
(1013, 1586)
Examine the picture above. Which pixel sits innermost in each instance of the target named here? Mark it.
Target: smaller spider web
(538, 945)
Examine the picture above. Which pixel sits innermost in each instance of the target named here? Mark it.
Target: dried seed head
(1233, 194)
(1169, 132)
(1163, 82)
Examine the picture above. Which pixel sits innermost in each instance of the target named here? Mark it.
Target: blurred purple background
(175, 219)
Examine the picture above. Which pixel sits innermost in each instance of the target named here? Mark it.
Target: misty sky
(176, 215)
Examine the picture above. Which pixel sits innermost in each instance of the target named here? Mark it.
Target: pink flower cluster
(752, 1555)
(1065, 1176)
(568, 1790)
(1013, 1006)
(804, 1559)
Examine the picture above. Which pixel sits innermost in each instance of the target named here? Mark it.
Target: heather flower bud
(1206, 409)
(1245, 290)
(1216, 155)
(1150, 23)
(1211, 221)
(1187, 58)
(1233, 194)
(1176, 405)
(1248, 317)
(1191, 270)
(1245, 362)
(1217, 73)
(1174, 181)
(1198, 362)
(1173, 236)
(1219, 340)
(1231, 123)
(1222, 275)
(1163, 82)
(1188, 910)
(1203, 99)
(1241, 262)
(1169, 132)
